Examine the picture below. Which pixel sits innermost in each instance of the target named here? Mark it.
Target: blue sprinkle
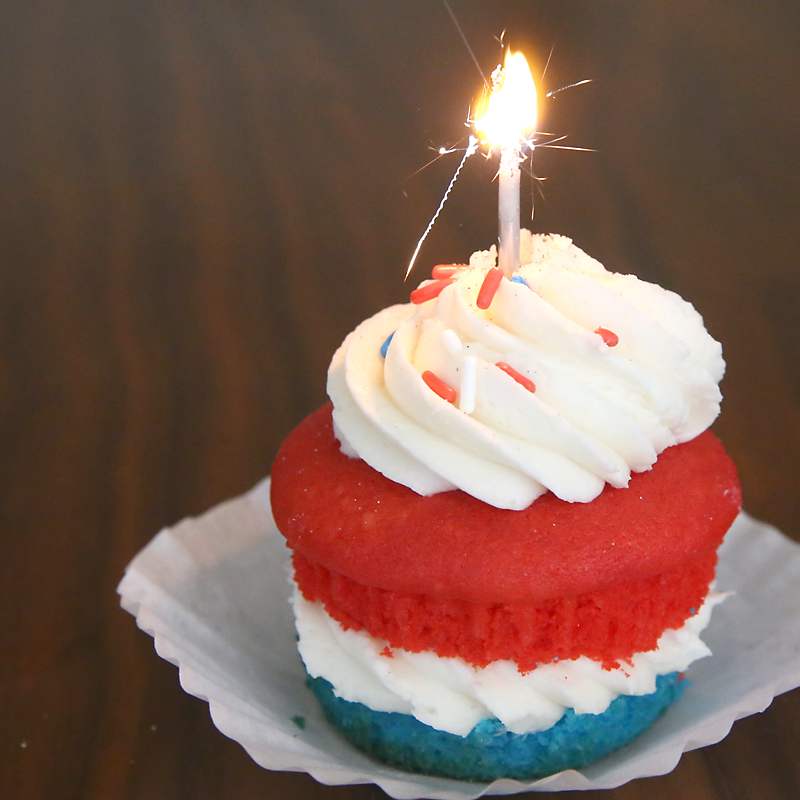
(385, 345)
(519, 279)
(692, 611)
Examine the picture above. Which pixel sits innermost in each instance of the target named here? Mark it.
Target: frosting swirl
(451, 695)
(599, 408)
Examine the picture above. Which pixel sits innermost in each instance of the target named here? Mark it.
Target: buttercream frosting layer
(449, 694)
(597, 413)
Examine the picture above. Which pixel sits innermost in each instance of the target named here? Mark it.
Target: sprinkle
(692, 611)
(429, 291)
(446, 270)
(466, 400)
(387, 651)
(489, 287)
(438, 386)
(299, 721)
(451, 341)
(519, 279)
(520, 379)
(609, 337)
(385, 345)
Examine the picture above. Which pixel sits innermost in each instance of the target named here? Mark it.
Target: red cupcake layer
(607, 626)
(341, 514)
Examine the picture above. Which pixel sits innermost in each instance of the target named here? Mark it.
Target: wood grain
(198, 200)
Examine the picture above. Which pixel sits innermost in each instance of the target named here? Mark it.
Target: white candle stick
(505, 119)
(508, 211)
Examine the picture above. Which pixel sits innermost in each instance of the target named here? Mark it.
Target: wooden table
(199, 200)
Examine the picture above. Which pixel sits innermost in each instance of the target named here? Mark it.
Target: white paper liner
(213, 593)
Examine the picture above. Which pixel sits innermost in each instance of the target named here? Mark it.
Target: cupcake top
(564, 378)
(340, 513)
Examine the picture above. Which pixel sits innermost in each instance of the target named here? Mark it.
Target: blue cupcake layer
(490, 751)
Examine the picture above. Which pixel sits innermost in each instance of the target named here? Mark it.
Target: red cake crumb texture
(451, 574)
(605, 626)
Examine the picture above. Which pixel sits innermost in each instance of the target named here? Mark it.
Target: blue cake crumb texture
(490, 751)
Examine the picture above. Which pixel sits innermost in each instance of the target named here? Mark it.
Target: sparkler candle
(505, 119)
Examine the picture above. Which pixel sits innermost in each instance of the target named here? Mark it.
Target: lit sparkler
(506, 119)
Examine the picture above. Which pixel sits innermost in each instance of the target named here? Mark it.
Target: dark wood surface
(198, 200)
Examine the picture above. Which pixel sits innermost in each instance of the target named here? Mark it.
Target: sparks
(509, 118)
(569, 86)
(471, 148)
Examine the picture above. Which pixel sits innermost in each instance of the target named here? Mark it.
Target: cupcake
(504, 527)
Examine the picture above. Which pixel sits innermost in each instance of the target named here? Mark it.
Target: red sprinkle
(520, 379)
(609, 337)
(489, 287)
(438, 386)
(446, 270)
(429, 291)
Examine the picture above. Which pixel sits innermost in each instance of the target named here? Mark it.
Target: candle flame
(506, 116)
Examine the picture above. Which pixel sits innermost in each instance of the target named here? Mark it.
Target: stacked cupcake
(494, 575)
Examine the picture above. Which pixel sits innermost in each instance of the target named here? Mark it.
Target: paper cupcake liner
(213, 593)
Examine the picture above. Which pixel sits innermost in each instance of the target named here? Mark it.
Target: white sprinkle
(451, 341)
(466, 399)
(23, 745)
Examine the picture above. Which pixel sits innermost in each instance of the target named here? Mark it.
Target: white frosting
(598, 412)
(451, 695)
